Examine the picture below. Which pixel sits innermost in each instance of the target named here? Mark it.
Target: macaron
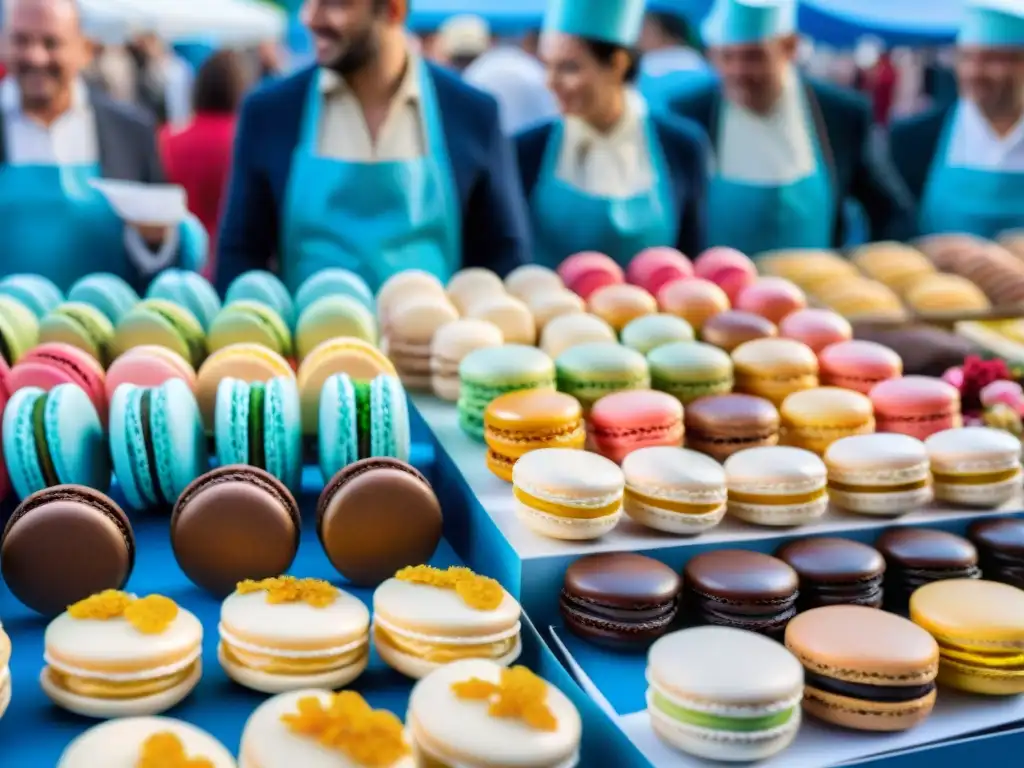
(160, 322)
(918, 556)
(110, 294)
(620, 600)
(35, 292)
(234, 523)
(63, 544)
(696, 301)
(134, 741)
(529, 420)
(330, 317)
(623, 422)
(567, 494)
(411, 328)
(354, 357)
(247, 362)
(19, 330)
(5, 480)
(771, 297)
(674, 490)
(619, 305)
(259, 424)
(471, 284)
(586, 272)
(450, 719)
(512, 316)
(568, 331)
(1000, 544)
(774, 368)
(857, 298)
(864, 669)
(49, 365)
(724, 694)
(117, 655)
(690, 370)
(81, 326)
(835, 572)
(817, 328)
(727, 330)
(54, 438)
(721, 425)
(714, 262)
(918, 406)
(361, 420)
(858, 365)
(286, 633)
(945, 294)
(265, 288)
(975, 466)
(187, 289)
(651, 331)
(741, 589)
(813, 419)
(370, 498)
(545, 307)
(148, 367)
(157, 442)
(881, 474)
(979, 627)
(810, 269)
(400, 288)
(653, 267)
(451, 343)
(897, 265)
(776, 485)
(5, 671)
(486, 373)
(531, 279)
(588, 372)
(316, 728)
(425, 617)
(332, 281)
(245, 321)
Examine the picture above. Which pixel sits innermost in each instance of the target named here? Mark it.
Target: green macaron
(330, 317)
(651, 331)
(82, 326)
(250, 322)
(690, 369)
(590, 371)
(163, 324)
(484, 374)
(19, 330)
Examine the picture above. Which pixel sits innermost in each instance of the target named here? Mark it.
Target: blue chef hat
(611, 21)
(735, 22)
(993, 24)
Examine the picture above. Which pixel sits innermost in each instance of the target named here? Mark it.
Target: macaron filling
(120, 683)
(46, 463)
(146, 425)
(607, 617)
(916, 485)
(5, 347)
(257, 455)
(579, 512)
(777, 500)
(894, 694)
(364, 424)
(281, 660)
(440, 649)
(983, 478)
(679, 506)
(718, 722)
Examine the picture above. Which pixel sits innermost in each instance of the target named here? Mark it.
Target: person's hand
(153, 234)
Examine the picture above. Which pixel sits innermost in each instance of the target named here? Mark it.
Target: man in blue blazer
(374, 161)
(787, 153)
(964, 161)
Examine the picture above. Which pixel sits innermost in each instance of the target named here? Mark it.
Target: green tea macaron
(690, 369)
(80, 325)
(588, 372)
(652, 331)
(162, 324)
(19, 330)
(250, 322)
(486, 373)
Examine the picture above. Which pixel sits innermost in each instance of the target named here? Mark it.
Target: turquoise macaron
(362, 420)
(333, 282)
(264, 287)
(35, 292)
(485, 374)
(260, 424)
(106, 292)
(157, 442)
(187, 289)
(54, 438)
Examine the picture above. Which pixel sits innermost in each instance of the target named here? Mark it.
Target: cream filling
(727, 710)
(124, 677)
(419, 637)
(284, 653)
(580, 502)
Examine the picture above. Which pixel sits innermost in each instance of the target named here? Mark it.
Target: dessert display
(774, 368)
(696, 301)
(835, 571)
(145, 741)
(113, 296)
(727, 330)
(81, 326)
(674, 490)
(1000, 544)
(776, 485)
(721, 425)
(588, 372)
(648, 332)
(690, 369)
(486, 373)
(249, 322)
(619, 305)
(975, 466)
(567, 331)
(918, 556)
(880, 474)
(529, 420)
(623, 422)
(163, 323)
(246, 362)
(331, 317)
(265, 288)
(450, 345)
(813, 419)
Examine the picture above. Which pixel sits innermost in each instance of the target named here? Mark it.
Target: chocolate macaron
(745, 590)
(721, 425)
(727, 330)
(376, 517)
(1000, 544)
(63, 544)
(835, 572)
(234, 523)
(918, 556)
(620, 599)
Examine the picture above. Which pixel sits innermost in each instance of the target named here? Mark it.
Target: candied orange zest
(165, 750)
(289, 589)
(519, 694)
(476, 591)
(150, 615)
(109, 604)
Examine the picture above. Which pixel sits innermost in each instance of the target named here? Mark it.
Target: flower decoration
(165, 750)
(518, 694)
(288, 589)
(474, 590)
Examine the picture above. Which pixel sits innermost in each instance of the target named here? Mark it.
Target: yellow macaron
(813, 419)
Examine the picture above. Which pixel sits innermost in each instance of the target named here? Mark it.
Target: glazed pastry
(915, 405)
(721, 425)
(813, 419)
(621, 304)
(688, 370)
(696, 301)
(588, 372)
(674, 490)
(450, 345)
(918, 556)
(774, 368)
(975, 466)
(135, 741)
(1000, 544)
(519, 422)
(623, 422)
(835, 572)
(776, 486)
(882, 474)
(858, 365)
(727, 330)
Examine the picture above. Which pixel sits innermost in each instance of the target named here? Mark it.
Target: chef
(606, 175)
(374, 160)
(56, 137)
(787, 152)
(965, 161)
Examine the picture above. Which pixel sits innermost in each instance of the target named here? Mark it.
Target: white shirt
(767, 149)
(517, 80)
(69, 140)
(612, 164)
(974, 143)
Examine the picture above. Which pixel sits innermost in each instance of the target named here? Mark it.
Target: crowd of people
(610, 128)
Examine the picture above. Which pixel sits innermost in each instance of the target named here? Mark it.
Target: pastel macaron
(880, 474)
(588, 372)
(621, 304)
(651, 331)
(688, 370)
(724, 694)
(81, 326)
(165, 324)
(5, 671)
(696, 300)
(34, 292)
(471, 284)
(249, 322)
(451, 343)
(777, 485)
(721, 425)
(286, 633)
(817, 328)
(265, 288)
(529, 420)
(409, 335)
(815, 418)
(918, 406)
(248, 362)
(332, 281)
(547, 306)
(487, 373)
(675, 490)
(567, 331)
(727, 330)
(975, 466)
(771, 297)
(133, 741)
(858, 365)
(188, 289)
(353, 357)
(586, 272)
(330, 317)
(511, 315)
(623, 422)
(148, 366)
(653, 267)
(774, 368)
(531, 279)
(49, 365)
(402, 287)
(19, 329)
(109, 293)
(567, 494)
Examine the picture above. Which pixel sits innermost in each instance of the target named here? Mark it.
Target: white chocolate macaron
(882, 474)
(125, 743)
(975, 466)
(471, 284)
(776, 485)
(530, 279)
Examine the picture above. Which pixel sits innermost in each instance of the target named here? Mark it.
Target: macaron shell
(623, 422)
(916, 405)
(76, 438)
(621, 304)
(972, 614)
(50, 365)
(858, 365)
(654, 267)
(282, 428)
(389, 414)
(19, 328)
(250, 322)
(333, 282)
(567, 331)
(350, 356)
(815, 418)
(338, 442)
(586, 272)
(721, 425)
(511, 315)
(658, 478)
(248, 362)
(266, 288)
(179, 442)
(451, 343)
(817, 328)
(128, 448)
(150, 322)
(118, 743)
(20, 454)
(727, 330)
(772, 297)
(5, 480)
(35, 292)
(231, 422)
(653, 330)
(107, 292)
(693, 300)
(530, 279)
(81, 326)
(774, 368)
(471, 284)
(188, 289)
(330, 317)
(148, 367)
(547, 306)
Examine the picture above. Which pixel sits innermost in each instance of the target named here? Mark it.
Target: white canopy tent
(227, 22)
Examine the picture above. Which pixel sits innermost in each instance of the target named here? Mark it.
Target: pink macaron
(857, 365)
(148, 366)
(623, 422)
(771, 297)
(53, 363)
(583, 273)
(817, 328)
(653, 268)
(918, 406)
(714, 260)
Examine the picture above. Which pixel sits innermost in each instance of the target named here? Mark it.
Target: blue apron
(755, 218)
(971, 201)
(373, 218)
(567, 220)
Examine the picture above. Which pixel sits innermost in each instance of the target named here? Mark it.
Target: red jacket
(198, 157)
